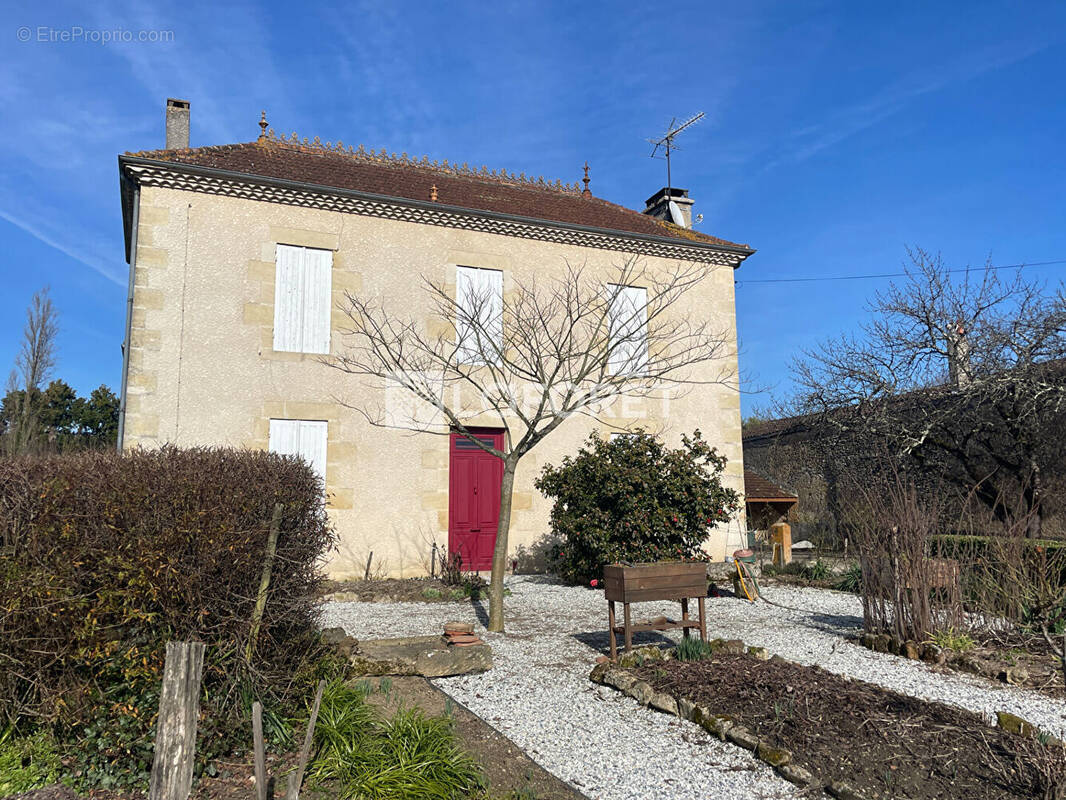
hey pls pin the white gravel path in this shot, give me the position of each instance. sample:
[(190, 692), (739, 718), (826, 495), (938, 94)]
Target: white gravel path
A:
[(538, 693)]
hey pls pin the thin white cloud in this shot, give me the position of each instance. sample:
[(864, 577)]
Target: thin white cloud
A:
[(892, 99), (200, 64), (36, 232)]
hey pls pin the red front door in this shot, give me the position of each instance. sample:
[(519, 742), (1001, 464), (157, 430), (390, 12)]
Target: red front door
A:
[(474, 498)]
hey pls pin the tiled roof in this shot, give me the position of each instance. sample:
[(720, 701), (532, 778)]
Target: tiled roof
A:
[(334, 166), (756, 487), (773, 427)]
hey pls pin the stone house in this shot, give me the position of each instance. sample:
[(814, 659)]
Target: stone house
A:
[(239, 255)]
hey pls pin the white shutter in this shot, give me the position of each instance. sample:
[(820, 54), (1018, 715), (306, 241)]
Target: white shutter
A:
[(627, 324), (482, 289), (302, 299), (301, 437), (287, 298), (465, 291), (318, 300), (313, 445), (492, 310), (284, 436)]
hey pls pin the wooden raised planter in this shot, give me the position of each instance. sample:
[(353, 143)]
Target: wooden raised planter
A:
[(664, 580)]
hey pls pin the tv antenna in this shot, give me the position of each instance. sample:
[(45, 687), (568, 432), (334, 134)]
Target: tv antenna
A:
[(666, 141)]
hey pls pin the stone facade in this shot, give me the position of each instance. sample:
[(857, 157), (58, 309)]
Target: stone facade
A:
[(202, 369)]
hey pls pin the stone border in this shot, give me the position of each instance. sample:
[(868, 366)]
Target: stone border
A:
[(726, 728), (933, 654)]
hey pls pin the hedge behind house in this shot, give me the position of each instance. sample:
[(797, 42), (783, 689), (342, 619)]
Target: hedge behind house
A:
[(106, 556)]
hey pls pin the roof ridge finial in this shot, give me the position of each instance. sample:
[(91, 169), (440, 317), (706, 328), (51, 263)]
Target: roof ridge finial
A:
[(433, 193), (585, 192), (263, 125)]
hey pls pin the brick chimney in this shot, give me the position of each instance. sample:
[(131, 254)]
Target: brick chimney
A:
[(658, 205), (177, 124)]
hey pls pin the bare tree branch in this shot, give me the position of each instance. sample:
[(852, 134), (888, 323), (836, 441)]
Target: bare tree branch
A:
[(550, 349)]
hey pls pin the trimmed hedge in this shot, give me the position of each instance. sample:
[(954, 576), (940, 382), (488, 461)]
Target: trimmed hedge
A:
[(1007, 577), (941, 542), (106, 556)]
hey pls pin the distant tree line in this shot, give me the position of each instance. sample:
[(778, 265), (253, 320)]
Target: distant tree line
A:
[(61, 420), (40, 418)]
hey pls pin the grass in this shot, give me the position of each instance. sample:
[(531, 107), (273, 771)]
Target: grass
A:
[(367, 756), (952, 639), (692, 649)]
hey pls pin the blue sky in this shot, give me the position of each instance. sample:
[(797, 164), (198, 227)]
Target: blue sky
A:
[(836, 134)]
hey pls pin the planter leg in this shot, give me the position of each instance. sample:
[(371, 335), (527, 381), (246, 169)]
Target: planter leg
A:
[(611, 624), (684, 616), (629, 627), (703, 619)]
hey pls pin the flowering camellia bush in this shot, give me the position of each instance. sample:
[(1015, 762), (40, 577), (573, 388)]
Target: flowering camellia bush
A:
[(634, 499)]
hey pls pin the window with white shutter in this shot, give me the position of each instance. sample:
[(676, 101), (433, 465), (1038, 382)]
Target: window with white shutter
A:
[(479, 293), (301, 437), (628, 330), (303, 285)]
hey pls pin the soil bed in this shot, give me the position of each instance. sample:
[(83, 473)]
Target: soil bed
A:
[(882, 743)]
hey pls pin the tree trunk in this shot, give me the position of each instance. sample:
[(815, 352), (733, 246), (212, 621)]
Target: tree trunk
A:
[(499, 553), (1034, 496)]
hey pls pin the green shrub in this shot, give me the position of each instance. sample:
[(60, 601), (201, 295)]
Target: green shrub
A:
[(952, 639), (692, 649), (108, 556), (850, 580), (27, 762), (634, 499), (797, 568), (817, 571), (404, 757)]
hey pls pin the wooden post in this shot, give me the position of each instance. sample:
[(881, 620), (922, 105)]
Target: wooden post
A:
[(179, 707), (369, 558), (611, 624), (628, 626), (684, 616), (703, 619), (264, 788), (297, 779), (264, 581)]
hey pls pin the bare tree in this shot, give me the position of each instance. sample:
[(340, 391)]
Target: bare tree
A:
[(531, 358), (961, 373), (33, 366)]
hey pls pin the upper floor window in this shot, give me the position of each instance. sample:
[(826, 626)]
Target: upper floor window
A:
[(302, 299), (627, 325), (479, 314)]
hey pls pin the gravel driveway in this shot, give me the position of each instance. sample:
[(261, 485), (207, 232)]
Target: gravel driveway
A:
[(538, 693)]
